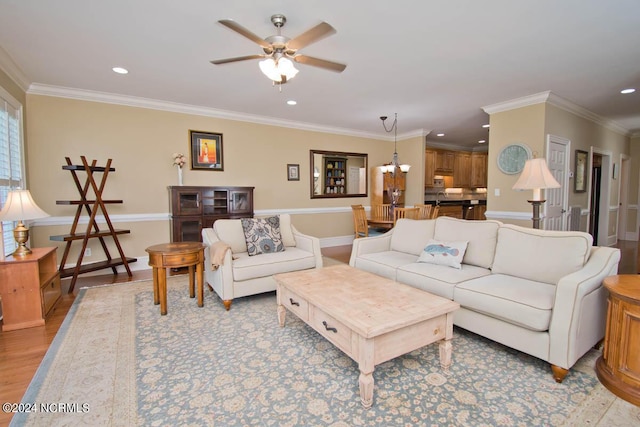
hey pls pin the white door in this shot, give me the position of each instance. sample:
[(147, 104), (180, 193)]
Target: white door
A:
[(556, 207)]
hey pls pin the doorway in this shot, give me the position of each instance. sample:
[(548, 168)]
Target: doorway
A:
[(596, 193)]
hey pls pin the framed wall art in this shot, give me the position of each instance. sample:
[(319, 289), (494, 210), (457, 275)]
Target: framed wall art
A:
[(293, 172), (580, 174), (206, 150)]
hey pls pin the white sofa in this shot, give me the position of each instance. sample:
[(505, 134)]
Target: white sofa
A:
[(537, 291), (241, 275)]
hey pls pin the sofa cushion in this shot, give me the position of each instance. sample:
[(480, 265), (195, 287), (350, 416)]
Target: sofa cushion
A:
[(247, 267), (438, 279), (540, 255), (481, 235), (410, 235), (443, 253), (262, 235), (384, 263), (230, 232), (515, 300)]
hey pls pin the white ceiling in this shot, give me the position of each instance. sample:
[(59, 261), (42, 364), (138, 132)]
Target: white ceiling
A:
[(435, 63)]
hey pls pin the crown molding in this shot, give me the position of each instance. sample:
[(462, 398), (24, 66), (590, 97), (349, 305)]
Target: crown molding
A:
[(559, 102), (154, 104), (9, 66), (512, 104), (456, 147)]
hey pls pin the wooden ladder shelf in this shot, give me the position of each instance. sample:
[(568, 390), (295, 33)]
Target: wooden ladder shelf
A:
[(92, 206)]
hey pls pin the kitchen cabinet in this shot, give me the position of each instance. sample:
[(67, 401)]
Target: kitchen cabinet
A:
[(454, 211), (462, 169), (478, 170), (445, 161), (429, 167)]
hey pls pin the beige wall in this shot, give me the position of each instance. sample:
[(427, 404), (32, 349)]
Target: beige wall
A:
[(522, 125), (140, 142), (531, 125)]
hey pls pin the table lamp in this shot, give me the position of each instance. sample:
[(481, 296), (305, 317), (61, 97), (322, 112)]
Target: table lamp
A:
[(536, 176), (21, 207)]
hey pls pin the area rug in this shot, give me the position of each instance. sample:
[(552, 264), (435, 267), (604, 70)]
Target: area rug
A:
[(117, 361)]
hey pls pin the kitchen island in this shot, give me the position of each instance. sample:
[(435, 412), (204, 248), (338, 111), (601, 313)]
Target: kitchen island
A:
[(460, 208)]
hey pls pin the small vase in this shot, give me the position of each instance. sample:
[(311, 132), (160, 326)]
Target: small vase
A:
[(179, 175)]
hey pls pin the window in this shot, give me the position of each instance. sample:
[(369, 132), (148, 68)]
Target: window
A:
[(11, 160)]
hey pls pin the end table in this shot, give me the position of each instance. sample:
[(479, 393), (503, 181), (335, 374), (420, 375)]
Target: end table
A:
[(619, 366), (176, 255)]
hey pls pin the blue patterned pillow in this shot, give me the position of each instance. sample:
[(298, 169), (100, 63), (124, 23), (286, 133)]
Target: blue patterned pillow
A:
[(444, 253), (262, 235)]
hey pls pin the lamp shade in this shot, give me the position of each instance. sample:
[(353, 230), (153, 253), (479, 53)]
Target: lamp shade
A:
[(535, 176), (20, 206)]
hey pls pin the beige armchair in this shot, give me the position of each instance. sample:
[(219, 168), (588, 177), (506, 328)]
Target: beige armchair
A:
[(239, 274)]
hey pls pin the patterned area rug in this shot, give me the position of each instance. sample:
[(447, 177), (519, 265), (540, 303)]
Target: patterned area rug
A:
[(116, 361)]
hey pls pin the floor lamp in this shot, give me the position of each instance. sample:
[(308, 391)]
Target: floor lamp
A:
[(536, 176)]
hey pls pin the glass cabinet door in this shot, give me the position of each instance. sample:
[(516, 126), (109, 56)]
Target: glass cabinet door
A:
[(189, 202)]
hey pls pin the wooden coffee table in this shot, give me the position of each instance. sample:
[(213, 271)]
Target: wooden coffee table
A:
[(368, 317)]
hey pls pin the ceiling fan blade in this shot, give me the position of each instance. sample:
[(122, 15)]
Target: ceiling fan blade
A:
[(322, 63), (233, 25), (316, 33), (236, 59)]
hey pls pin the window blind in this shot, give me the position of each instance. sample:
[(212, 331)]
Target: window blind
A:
[(11, 159)]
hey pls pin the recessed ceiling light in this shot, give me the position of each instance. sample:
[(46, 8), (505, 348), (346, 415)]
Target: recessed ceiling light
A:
[(485, 126), (120, 70), (630, 90), (291, 102), (482, 141), (440, 134)]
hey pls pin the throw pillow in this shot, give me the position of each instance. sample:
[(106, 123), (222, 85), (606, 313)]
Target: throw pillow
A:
[(262, 235), (444, 253)]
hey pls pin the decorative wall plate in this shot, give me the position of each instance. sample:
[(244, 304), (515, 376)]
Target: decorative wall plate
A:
[(512, 158)]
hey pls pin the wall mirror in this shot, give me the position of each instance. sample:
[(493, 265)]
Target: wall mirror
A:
[(338, 174)]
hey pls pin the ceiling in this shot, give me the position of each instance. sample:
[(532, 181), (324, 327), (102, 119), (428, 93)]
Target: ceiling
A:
[(435, 63)]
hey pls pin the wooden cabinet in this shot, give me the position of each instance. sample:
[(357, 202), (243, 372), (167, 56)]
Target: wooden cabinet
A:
[(478, 170), (194, 208), (29, 287), (452, 211), (619, 366), (335, 175), (445, 161), (462, 169), (469, 169), (429, 167), (380, 182)]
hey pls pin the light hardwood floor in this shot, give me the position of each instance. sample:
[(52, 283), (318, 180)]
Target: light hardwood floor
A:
[(21, 351)]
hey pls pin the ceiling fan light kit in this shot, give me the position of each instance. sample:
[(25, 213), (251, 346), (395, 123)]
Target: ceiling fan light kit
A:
[(280, 51)]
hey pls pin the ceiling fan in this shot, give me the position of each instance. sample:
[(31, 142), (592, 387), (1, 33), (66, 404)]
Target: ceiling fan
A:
[(279, 50)]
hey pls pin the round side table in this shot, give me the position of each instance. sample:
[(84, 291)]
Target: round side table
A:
[(619, 366), (176, 255)]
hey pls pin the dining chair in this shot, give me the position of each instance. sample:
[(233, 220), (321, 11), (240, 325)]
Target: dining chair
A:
[(360, 224), (434, 212), (424, 211), (381, 212), (410, 213)]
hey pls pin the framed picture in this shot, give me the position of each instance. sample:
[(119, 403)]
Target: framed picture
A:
[(293, 172), (206, 150), (580, 175)]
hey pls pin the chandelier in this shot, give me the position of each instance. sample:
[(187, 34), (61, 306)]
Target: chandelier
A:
[(395, 164), (395, 167)]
